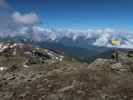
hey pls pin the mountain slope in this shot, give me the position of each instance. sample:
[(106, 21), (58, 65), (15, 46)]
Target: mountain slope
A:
[(36, 75)]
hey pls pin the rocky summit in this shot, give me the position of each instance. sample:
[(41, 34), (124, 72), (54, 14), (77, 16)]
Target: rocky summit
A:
[(32, 73)]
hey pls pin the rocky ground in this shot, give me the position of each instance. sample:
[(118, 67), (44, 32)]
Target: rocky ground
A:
[(41, 74)]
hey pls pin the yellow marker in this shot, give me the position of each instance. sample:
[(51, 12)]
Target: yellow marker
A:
[(116, 42)]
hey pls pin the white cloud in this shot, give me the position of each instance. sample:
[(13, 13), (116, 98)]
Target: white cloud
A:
[(102, 41), (105, 38), (102, 37), (27, 25), (25, 19)]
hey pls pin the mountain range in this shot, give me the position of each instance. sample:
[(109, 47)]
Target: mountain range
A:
[(79, 49)]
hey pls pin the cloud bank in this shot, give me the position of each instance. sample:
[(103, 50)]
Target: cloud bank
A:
[(25, 19), (27, 25)]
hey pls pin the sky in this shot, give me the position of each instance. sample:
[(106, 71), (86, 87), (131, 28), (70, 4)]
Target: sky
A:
[(78, 14), (42, 20)]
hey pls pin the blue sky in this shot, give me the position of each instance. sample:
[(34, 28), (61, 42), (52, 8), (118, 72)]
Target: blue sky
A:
[(79, 14), (55, 19)]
